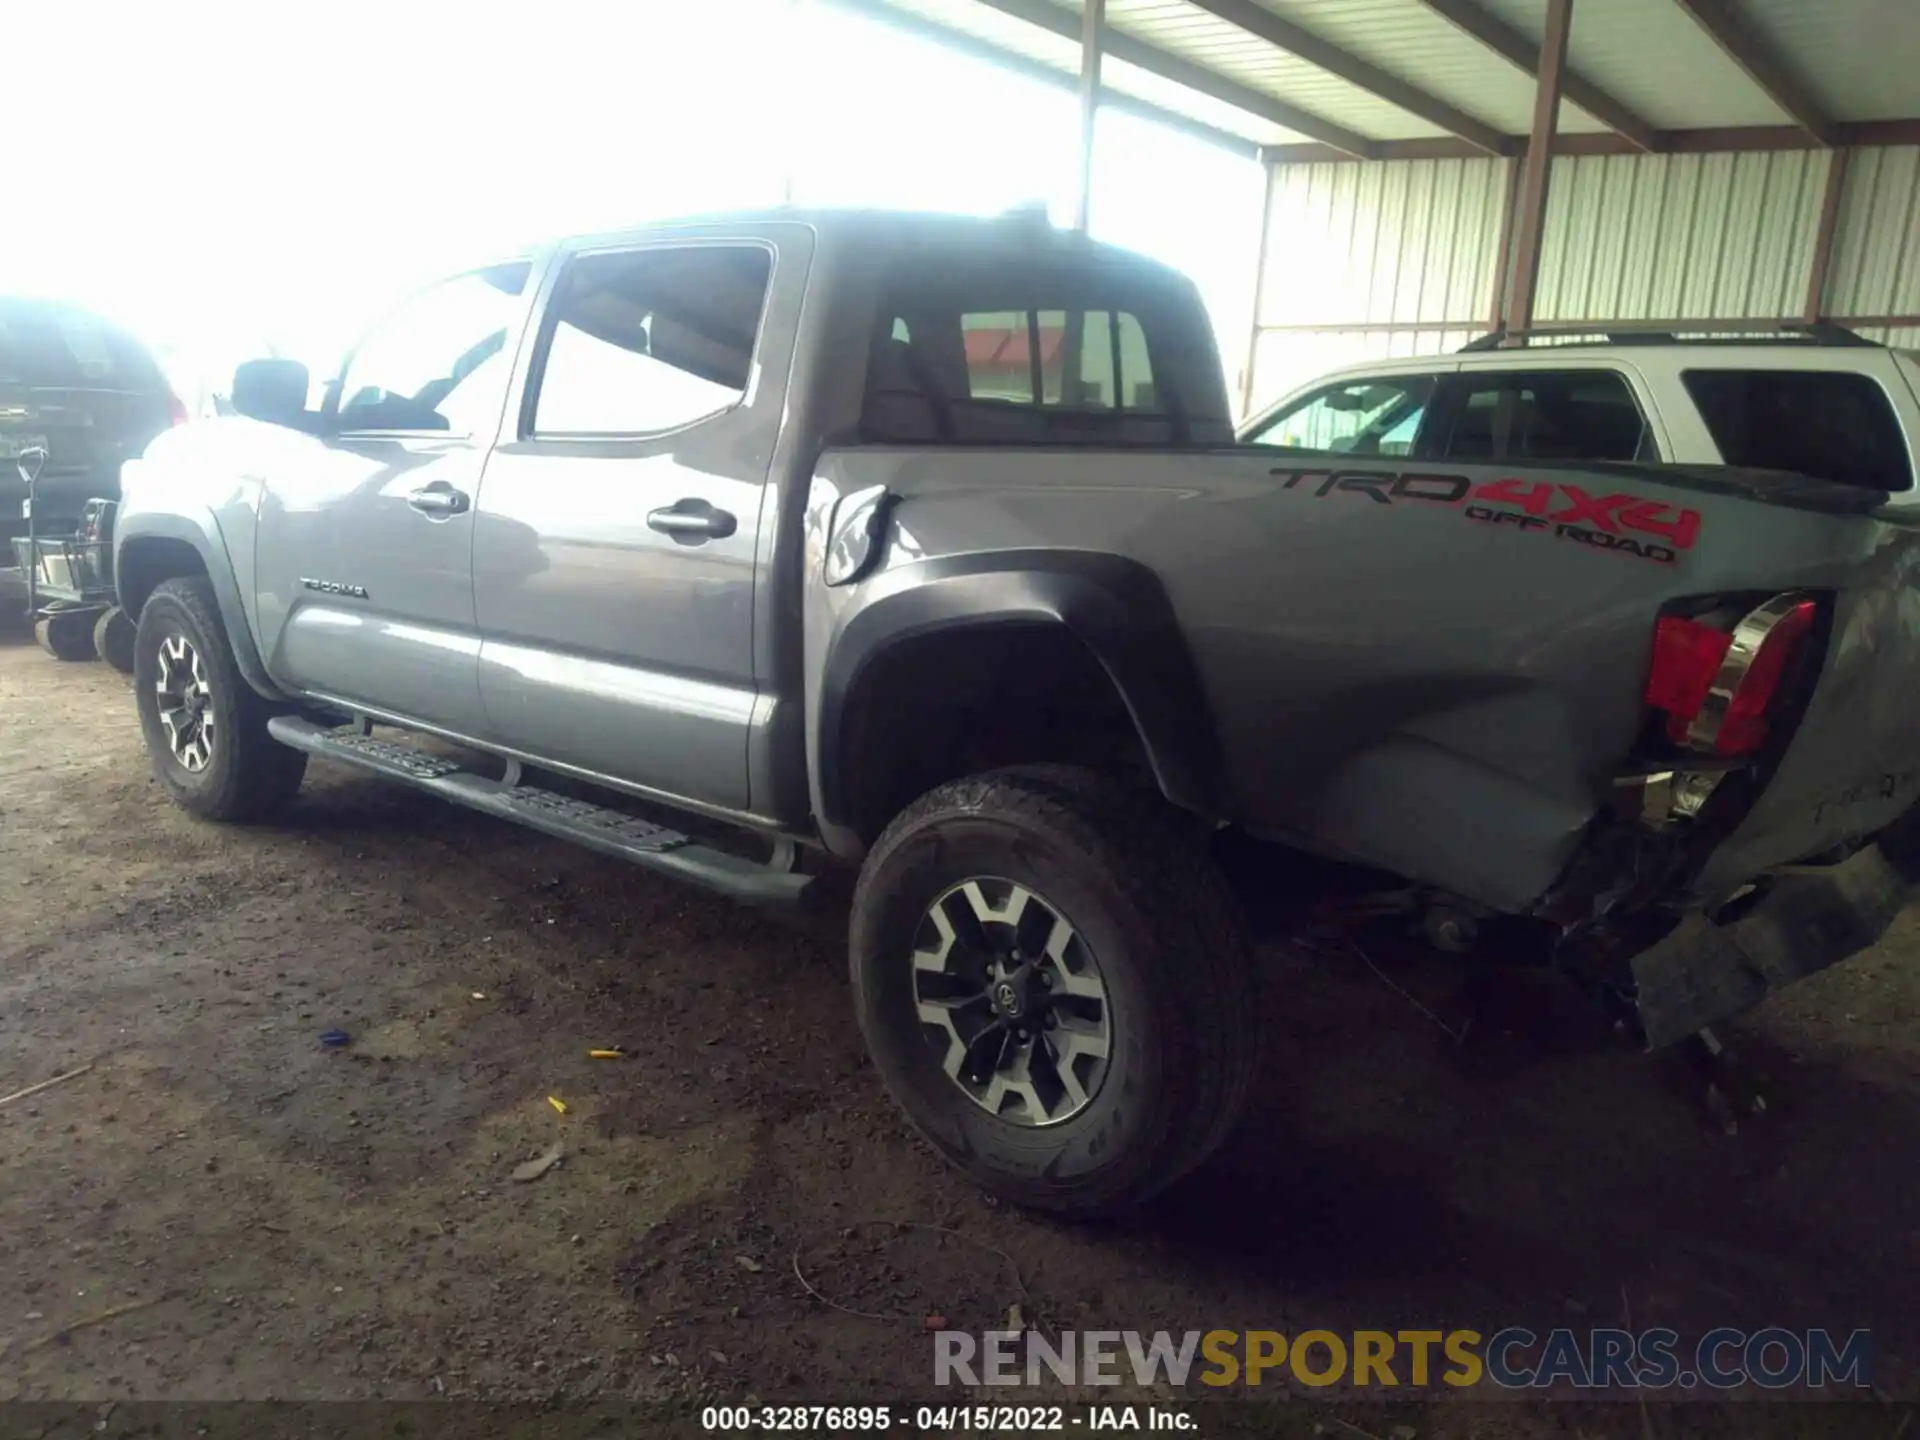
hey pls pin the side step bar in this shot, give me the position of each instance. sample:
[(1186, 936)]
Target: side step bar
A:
[(609, 831)]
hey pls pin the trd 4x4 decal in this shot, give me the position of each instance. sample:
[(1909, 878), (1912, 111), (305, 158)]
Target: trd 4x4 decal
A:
[(1568, 512)]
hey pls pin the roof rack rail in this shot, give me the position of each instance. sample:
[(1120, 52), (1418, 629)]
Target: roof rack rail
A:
[(1815, 332)]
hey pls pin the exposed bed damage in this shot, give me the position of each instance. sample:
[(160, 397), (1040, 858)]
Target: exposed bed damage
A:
[(1742, 839), (1774, 870), (1811, 917)]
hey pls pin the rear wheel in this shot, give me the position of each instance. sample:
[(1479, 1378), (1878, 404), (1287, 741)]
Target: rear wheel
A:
[(205, 727), (66, 634), (113, 636), (1055, 986)]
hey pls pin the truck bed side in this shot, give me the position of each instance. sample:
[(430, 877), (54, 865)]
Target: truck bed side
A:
[(1440, 669)]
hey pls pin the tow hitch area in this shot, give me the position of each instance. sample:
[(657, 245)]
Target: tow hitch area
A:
[(1813, 916)]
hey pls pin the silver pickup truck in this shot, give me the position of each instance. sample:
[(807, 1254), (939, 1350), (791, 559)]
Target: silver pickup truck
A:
[(924, 544)]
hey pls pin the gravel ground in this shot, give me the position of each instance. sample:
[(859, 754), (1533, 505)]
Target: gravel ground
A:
[(303, 1223)]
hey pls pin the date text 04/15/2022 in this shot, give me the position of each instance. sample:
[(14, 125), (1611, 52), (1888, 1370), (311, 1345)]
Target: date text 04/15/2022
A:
[(945, 1419)]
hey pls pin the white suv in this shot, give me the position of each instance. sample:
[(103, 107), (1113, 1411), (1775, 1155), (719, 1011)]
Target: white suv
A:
[(1820, 401)]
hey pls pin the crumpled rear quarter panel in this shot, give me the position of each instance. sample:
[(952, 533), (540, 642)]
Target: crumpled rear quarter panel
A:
[(1403, 680)]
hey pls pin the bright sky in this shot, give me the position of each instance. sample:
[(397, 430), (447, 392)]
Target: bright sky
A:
[(230, 176)]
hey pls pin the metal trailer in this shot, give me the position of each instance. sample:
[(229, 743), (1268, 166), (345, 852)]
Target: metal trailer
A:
[(69, 578)]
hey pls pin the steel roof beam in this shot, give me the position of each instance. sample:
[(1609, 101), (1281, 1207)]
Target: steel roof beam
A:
[(1025, 65), (1510, 45), (1721, 140), (1324, 55), (1747, 51), (1118, 46)]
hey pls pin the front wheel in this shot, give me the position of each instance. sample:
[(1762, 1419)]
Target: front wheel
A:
[(1055, 985), (205, 727)]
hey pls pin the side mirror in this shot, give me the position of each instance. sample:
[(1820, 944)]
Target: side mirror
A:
[(271, 390)]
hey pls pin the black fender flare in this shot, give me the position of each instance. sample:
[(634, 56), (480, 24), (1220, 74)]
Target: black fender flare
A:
[(1116, 607), (226, 591)]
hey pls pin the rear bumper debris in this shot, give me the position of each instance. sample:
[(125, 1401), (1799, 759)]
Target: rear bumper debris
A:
[(1812, 917)]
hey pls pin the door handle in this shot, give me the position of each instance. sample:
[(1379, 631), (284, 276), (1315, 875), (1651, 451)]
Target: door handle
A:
[(691, 521), (439, 500)]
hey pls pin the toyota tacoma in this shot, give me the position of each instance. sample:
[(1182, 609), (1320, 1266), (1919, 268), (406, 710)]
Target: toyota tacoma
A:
[(740, 546)]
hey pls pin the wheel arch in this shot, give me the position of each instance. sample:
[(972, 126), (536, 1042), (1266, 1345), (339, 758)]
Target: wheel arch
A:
[(1112, 612), (169, 547)]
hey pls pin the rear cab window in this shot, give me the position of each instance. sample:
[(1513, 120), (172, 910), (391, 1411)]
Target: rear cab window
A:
[(1836, 425), (1020, 346), (1094, 360)]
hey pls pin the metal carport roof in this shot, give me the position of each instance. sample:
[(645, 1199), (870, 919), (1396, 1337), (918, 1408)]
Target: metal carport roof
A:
[(1389, 79), (1295, 81)]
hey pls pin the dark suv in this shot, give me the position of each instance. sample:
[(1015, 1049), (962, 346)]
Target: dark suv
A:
[(86, 392)]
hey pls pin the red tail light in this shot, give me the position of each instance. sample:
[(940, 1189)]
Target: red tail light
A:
[(176, 410), (1715, 686)]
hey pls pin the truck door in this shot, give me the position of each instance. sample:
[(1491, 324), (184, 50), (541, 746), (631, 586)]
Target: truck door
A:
[(365, 550), (616, 535)]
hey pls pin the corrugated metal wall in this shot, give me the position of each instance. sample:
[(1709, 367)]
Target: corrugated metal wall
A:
[(1668, 237), (1403, 243), (1876, 248), (1395, 242), (1368, 261)]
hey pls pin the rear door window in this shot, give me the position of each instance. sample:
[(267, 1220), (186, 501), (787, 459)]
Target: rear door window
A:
[(1496, 416), (1371, 417), (1826, 423)]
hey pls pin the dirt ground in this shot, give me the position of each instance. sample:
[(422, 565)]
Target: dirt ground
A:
[(304, 1223)]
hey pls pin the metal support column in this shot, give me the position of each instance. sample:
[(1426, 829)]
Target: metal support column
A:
[(1539, 165), (1092, 23), (1824, 236), (1503, 257), (1259, 287)]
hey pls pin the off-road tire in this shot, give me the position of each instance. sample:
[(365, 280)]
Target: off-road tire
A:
[(113, 635), (1135, 880), (65, 635), (248, 774)]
